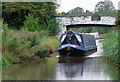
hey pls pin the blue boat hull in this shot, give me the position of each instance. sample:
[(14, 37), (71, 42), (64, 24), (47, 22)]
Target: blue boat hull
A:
[(75, 51)]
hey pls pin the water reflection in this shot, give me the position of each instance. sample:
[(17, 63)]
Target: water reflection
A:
[(43, 70), (72, 66), (62, 68)]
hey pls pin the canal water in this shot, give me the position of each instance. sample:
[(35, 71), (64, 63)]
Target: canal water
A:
[(91, 67)]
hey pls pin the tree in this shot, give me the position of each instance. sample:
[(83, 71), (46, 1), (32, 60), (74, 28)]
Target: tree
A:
[(105, 7), (76, 11), (14, 12), (88, 12)]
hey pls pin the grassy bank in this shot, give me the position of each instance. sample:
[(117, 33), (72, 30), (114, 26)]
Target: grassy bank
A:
[(111, 47), (19, 45)]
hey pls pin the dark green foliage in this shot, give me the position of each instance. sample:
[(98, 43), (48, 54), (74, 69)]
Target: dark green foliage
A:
[(52, 26), (80, 30), (101, 30), (88, 12), (14, 12), (117, 22), (42, 53), (76, 12)]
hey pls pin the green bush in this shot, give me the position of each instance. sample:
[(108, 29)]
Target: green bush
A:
[(31, 23), (18, 44), (33, 39), (52, 25), (111, 45), (14, 12), (24, 44)]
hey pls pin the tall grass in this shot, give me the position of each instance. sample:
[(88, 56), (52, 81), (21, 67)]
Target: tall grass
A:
[(24, 44), (111, 46), (50, 43)]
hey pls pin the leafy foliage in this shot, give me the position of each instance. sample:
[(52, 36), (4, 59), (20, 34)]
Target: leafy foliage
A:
[(76, 11), (92, 29), (24, 44), (31, 23), (52, 26), (105, 7), (117, 22), (33, 15), (14, 12), (111, 46)]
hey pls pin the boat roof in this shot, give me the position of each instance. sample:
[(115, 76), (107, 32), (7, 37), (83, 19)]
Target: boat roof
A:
[(75, 33)]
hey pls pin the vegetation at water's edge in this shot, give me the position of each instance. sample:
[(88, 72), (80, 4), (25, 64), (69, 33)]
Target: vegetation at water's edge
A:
[(111, 46), (28, 30), (24, 44)]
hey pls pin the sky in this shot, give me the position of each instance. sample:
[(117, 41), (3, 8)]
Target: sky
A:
[(66, 5)]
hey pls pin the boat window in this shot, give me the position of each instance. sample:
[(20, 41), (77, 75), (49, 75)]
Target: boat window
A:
[(78, 37), (66, 40), (74, 40), (63, 38)]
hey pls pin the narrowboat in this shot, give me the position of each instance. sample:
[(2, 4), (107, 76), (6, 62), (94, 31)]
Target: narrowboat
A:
[(73, 43)]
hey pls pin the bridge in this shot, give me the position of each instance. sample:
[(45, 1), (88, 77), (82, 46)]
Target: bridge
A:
[(67, 22)]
